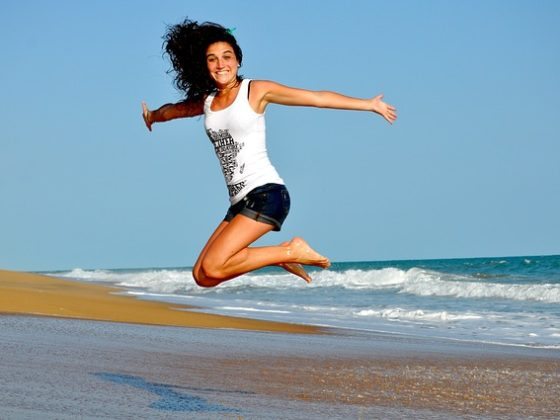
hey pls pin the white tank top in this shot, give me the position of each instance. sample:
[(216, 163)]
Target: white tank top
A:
[(238, 135)]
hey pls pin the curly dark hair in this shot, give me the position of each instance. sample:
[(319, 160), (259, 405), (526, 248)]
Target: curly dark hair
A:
[(186, 44)]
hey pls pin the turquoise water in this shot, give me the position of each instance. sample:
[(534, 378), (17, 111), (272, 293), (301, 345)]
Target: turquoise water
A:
[(506, 300)]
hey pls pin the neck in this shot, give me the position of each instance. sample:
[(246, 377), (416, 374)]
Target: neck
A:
[(231, 85)]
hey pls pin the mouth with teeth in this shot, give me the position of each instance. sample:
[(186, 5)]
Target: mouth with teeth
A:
[(223, 77)]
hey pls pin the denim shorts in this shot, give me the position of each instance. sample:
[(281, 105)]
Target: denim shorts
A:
[(269, 203)]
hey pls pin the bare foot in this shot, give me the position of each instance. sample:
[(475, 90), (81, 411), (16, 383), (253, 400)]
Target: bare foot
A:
[(304, 254), (294, 268)]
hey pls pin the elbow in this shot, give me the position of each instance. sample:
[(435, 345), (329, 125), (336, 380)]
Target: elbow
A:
[(321, 99)]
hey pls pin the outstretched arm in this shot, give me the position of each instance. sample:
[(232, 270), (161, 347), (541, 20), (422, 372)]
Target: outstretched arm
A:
[(270, 92), (171, 111)]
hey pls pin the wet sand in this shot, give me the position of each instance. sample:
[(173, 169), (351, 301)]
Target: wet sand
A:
[(57, 368)]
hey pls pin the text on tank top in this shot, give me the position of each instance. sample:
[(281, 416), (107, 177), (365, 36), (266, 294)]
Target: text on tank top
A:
[(238, 135)]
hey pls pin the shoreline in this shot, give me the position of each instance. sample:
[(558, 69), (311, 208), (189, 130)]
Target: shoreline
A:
[(72, 349), (40, 295), (511, 302)]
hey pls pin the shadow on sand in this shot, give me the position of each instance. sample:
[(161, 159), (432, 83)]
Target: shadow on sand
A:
[(170, 399)]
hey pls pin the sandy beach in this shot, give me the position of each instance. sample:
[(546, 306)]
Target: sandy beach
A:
[(31, 294), (73, 350)]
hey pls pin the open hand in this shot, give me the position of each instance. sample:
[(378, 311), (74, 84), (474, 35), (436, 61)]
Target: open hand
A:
[(389, 112), (146, 116)]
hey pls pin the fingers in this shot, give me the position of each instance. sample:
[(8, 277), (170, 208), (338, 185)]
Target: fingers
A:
[(390, 113), (391, 116), (146, 115), (145, 110), (390, 119)]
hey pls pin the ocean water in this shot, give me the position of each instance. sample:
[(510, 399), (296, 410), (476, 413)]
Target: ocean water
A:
[(509, 300)]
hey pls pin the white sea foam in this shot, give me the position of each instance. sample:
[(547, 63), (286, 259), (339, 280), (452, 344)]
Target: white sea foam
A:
[(422, 282), (93, 275), (361, 279), (157, 281), (428, 283), (411, 301), (250, 309), (415, 281), (416, 315)]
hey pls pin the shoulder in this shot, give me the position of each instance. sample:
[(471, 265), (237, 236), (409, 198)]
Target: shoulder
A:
[(260, 92), (263, 85)]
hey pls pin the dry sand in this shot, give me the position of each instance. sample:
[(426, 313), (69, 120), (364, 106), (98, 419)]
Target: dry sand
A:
[(31, 294)]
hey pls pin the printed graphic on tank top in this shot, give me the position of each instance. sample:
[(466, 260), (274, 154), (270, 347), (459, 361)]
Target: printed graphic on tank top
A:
[(237, 133), (227, 149)]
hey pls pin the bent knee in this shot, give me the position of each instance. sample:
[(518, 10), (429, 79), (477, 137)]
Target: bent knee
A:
[(212, 269), (202, 279)]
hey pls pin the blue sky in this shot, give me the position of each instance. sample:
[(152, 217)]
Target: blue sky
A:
[(471, 168)]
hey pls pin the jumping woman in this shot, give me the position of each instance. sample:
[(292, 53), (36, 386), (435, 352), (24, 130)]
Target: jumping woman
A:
[(206, 58)]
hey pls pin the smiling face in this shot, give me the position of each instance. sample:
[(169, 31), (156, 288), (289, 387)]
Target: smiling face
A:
[(222, 64)]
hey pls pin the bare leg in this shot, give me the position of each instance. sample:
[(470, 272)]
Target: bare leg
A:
[(227, 253), (198, 275), (294, 268)]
